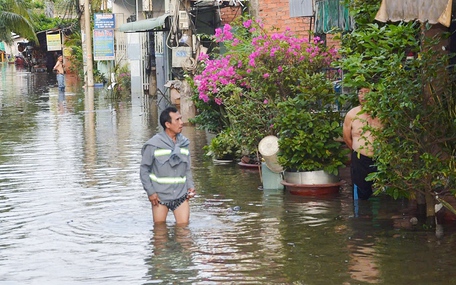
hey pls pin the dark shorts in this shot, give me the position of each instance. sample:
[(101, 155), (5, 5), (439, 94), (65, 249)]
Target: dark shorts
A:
[(361, 166), (174, 204)]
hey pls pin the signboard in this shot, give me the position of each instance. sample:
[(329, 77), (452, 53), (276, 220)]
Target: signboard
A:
[(104, 21), (53, 42), (103, 44)]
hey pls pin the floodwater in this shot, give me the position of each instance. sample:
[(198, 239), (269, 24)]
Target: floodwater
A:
[(72, 209)]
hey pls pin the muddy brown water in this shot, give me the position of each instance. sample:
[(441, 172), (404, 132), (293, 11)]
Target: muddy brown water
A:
[(72, 210)]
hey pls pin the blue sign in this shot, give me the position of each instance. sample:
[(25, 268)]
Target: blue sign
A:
[(103, 44), (104, 21)]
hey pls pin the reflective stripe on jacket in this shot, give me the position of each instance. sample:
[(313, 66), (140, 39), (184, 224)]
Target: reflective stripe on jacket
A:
[(168, 180), (162, 152)]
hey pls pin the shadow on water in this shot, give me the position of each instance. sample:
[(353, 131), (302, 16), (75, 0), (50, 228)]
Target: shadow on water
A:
[(72, 209)]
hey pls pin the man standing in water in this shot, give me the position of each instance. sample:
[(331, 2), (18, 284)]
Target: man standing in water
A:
[(59, 69), (359, 139), (165, 170)]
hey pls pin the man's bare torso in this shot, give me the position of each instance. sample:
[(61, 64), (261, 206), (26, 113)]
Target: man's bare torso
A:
[(361, 138)]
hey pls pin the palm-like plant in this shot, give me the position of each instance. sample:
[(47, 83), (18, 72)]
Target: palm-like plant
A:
[(69, 8), (15, 16)]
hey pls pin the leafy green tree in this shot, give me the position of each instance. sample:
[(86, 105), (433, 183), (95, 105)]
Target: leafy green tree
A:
[(414, 97), (43, 23), (72, 7), (16, 17)]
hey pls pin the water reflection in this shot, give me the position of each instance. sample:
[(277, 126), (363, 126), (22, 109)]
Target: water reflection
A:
[(271, 245), (364, 259), (61, 101), (72, 209), (171, 255)]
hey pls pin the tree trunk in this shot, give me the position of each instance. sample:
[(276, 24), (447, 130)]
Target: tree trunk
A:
[(430, 208), (438, 84)]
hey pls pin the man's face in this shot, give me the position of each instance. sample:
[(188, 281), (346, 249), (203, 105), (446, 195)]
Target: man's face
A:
[(176, 124), (361, 93)]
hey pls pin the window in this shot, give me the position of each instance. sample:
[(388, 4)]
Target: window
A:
[(301, 8)]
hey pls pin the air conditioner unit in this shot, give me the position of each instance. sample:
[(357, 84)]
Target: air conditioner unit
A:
[(180, 55)]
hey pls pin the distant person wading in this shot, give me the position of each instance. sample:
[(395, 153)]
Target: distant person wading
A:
[(59, 69)]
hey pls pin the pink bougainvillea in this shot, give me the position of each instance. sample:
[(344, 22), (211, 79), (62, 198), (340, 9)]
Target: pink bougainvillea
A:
[(269, 62), (257, 71)]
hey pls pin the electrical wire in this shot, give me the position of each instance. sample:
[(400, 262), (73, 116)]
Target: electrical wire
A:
[(172, 36), (189, 64)]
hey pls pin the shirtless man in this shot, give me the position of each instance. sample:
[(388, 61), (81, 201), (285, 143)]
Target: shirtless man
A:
[(360, 141), (58, 68)]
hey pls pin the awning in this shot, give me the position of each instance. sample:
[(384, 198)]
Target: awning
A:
[(144, 25), (432, 11)]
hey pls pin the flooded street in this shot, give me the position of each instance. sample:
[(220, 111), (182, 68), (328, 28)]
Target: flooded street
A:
[(73, 211)]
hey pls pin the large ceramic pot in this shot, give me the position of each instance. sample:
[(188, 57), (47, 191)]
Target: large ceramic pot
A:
[(311, 183)]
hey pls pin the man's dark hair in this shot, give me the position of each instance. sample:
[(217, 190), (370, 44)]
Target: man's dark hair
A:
[(165, 117)]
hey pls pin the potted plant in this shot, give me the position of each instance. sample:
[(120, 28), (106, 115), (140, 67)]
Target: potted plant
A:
[(99, 78), (273, 83), (259, 70), (308, 125), (224, 147)]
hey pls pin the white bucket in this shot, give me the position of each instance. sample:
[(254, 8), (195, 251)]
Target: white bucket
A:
[(269, 147)]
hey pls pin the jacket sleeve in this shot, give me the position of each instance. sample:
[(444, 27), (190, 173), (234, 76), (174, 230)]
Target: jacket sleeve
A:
[(145, 168), (189, 175)]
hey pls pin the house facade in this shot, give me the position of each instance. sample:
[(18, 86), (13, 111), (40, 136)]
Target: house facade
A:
[(160, 39)]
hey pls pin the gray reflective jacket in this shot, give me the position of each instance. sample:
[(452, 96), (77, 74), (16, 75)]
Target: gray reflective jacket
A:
[(165, 167)]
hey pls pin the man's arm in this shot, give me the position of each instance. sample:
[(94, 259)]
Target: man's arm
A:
[(347, 131), (190, 184), (56, 65), (147, 160)]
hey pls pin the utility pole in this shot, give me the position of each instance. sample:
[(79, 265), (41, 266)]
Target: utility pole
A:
[(88, 44)]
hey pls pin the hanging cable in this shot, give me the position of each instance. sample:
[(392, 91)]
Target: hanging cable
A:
[(172, 36)]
